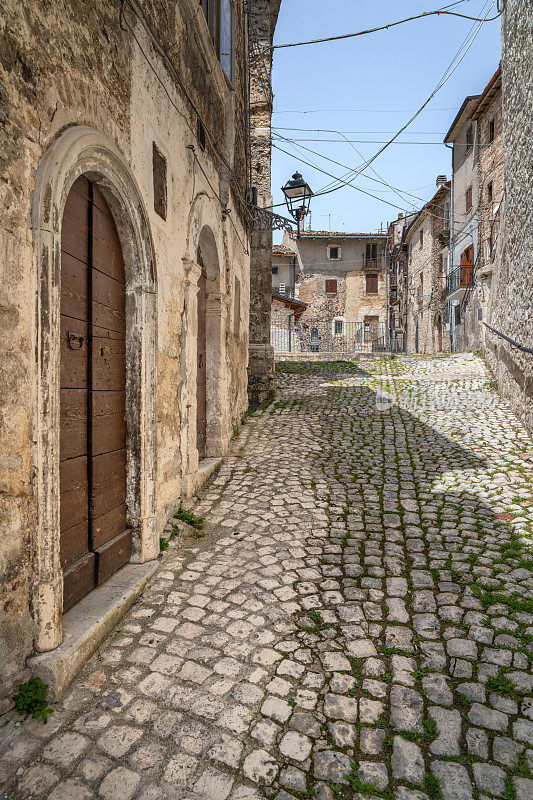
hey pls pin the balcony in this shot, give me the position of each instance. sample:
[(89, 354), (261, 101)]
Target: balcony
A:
[(458, 281), (378, 263)]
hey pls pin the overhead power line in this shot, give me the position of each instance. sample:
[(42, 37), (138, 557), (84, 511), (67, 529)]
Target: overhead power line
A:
[(437, 12), (447, 75)]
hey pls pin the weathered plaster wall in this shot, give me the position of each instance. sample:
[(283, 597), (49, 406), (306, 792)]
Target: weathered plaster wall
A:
[(80, 66), (512, 303), (359, 304)]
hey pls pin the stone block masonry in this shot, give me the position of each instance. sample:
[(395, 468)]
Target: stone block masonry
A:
[(512, 293)]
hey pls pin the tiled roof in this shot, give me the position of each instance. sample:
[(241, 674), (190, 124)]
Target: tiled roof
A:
[(340, 234), (281, 250)]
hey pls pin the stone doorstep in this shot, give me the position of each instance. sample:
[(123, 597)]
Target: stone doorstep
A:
[(87, 624), (195, 480)]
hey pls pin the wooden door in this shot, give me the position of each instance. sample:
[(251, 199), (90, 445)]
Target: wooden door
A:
[(371, 325), (439, 332), (201, 373), (94, 539)]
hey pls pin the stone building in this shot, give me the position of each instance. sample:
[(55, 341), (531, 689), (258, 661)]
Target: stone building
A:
[(341, 277), (283, 270), (463, 139), (124, 297), (398, 281), (488, 115), (261, 24), (427, 243), (510, 308)]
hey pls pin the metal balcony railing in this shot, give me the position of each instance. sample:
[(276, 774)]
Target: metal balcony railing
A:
[(378, 263), (460, 278)]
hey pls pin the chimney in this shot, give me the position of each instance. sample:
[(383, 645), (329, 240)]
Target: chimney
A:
[(441, 180)]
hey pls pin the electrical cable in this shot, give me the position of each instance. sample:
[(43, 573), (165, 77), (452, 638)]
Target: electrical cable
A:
[(378, 28), (449, 72)]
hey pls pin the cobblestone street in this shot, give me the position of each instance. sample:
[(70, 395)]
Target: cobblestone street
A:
[(356, 620)]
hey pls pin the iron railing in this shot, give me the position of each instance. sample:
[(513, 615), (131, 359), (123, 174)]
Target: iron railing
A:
[(460, 278), (328, 336)]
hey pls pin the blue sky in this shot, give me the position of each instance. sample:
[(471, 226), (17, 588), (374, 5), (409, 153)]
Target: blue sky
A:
[(367, 87)]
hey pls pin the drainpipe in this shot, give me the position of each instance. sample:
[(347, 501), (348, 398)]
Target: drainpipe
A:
[(452, 236)]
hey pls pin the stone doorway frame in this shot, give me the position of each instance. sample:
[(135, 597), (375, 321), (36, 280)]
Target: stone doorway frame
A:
[(202, 239), (83, 150)]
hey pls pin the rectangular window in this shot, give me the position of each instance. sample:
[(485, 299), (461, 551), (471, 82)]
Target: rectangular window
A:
[(469, 138), (274, 270), (371, 283), (220, 18), (226, 53), (237, 308), (200, 133), (371, 255), (489, 192), (334, 252), (331, 287), (338, 327), (468, 199), (159, 173), (421, 237), (491, 130), (457, 315)]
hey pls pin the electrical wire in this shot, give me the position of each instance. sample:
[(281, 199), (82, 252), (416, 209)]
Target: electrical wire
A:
[(447, 75), (438, 12)]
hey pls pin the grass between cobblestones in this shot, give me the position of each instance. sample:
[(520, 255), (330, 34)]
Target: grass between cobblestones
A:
[(356, 622)]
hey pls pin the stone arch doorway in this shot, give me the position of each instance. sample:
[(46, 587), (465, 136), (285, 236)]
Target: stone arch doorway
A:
[(201, 364), (95, 539), (82, 151)]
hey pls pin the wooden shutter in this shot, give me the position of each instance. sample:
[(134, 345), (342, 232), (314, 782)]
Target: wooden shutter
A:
[(331, 286), (371, 283)]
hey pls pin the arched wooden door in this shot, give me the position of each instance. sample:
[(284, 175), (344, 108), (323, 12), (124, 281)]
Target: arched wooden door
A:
[(201, 372), (95, 541)]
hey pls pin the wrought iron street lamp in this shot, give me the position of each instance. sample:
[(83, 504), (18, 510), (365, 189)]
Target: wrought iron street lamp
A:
[(298, 196)]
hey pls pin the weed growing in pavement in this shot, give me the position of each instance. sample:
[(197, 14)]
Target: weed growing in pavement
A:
[(31, 699), (503, 685), (190, 518)]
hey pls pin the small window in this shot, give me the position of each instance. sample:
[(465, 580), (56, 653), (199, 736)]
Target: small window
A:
[(489, 192), (274, 270), (457, 315), (491, 130), (334, 253), (371, 283), (468, 199), (331, 287), (200, 133), (237, 308), (159, 169), (421, 237), (469, 138), (338, 327)]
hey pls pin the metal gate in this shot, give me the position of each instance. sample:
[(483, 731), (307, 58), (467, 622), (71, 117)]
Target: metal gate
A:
[(328, 336)]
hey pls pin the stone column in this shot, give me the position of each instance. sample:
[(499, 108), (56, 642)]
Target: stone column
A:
[(262, 21)]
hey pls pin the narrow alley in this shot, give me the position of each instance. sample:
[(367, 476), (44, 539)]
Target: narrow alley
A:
[(353, 619)]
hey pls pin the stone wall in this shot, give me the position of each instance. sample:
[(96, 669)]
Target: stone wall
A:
[(79, 95), (262, 22), (511, 301)]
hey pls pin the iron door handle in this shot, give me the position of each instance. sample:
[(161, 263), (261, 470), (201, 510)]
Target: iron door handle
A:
[(74, 341)]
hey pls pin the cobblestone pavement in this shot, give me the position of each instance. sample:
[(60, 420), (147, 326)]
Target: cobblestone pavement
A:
[(356, 622)]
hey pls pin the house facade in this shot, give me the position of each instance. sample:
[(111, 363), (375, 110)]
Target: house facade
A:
[(283, 270), (124, 295), (427, 245), (341, 277), (462, 137), (398, 256)]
